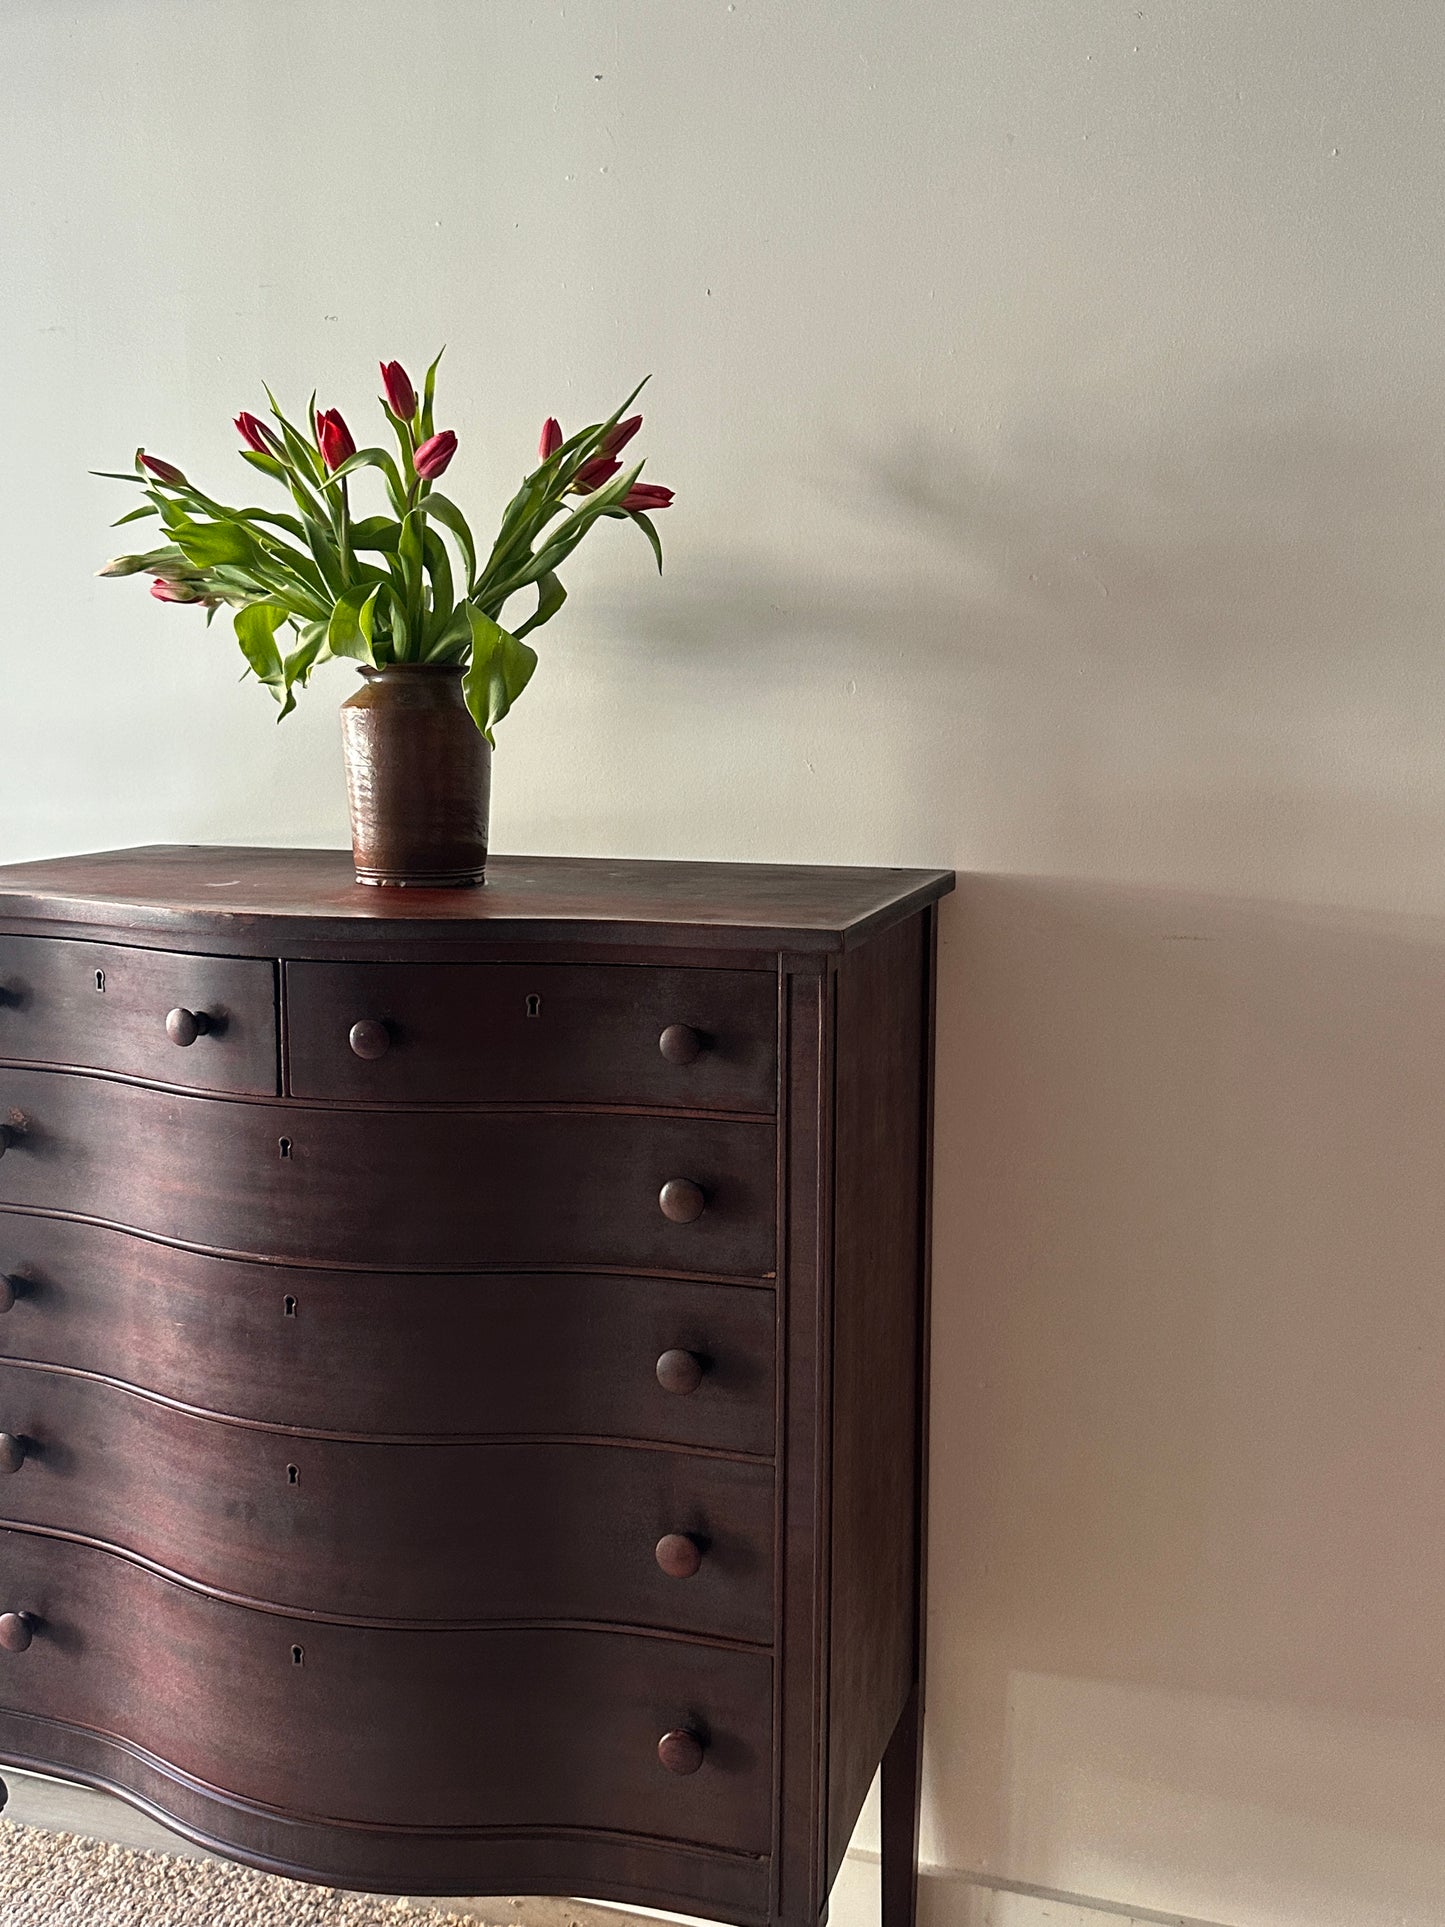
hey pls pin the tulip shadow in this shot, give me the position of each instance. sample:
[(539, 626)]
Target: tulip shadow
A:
[(1178, 687), (1232, 617)]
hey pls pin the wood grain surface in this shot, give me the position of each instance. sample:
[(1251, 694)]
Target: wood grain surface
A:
[(405, 1190), (224, 893), (104, 1006), (391, 1354), (408, 1729), (532, 1033), (543, 1531)]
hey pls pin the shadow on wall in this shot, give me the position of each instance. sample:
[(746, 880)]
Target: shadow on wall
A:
[(1189, 1351), (1195, 642), (1188, 1550)]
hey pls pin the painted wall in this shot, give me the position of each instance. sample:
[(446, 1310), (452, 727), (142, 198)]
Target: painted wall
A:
[(1054, 396)]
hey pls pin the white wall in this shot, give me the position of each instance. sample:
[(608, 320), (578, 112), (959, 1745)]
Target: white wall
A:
[(1055, 399)]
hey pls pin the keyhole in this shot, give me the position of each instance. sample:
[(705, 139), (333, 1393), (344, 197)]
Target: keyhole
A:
[(298, 1655), (290, 1305), (100, 980), (534, 1006), (293, 1475), (284, 1145)]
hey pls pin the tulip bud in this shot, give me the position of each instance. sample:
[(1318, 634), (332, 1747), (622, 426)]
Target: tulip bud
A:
[(124, 565), (163, 471), (175, 568), (334, 439), (167, 591), (593, 474), (551, 437), (434, 456), (616, 439), (400, 395), (255, 434), (645, 496)]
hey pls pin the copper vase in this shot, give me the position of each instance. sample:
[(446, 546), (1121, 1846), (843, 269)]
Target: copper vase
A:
[(418, 778)]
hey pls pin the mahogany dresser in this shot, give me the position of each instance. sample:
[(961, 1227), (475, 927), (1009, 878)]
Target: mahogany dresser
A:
[(463, 1362)]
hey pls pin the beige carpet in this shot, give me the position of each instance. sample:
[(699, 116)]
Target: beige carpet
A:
[(57, 1880)]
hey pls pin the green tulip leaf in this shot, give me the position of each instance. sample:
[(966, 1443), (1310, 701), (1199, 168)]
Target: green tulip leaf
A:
[(500, 669), (550, 597), (370, 458), (268, 464), (439, 567), (381, 532), (445, 511), (349, 631), (256, 627), (209, 543), (304, 458), (428, 392), (296, 668), (451, 639), (645, 523)]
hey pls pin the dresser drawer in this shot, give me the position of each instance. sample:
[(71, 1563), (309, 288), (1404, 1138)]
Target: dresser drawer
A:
[(391, 1190), (393, 1354), (438, 1729), (535, 1034), (100, 1006), (543, 1530)]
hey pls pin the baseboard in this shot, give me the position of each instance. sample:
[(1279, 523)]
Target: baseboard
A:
[(951, 1899)]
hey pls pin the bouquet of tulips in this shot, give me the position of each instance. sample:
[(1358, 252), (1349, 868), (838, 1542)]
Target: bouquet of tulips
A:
[(385, 588)]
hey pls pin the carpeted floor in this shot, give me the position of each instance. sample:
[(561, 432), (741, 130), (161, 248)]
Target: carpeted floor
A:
[(57, 1880)]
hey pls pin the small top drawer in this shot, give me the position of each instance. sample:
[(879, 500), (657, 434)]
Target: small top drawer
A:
[(525, 1033), (207, 1023)]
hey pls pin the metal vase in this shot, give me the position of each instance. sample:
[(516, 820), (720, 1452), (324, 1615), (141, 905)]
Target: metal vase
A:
[(418, 778)]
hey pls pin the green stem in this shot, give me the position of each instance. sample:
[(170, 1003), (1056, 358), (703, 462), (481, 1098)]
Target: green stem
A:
[(348, 557)]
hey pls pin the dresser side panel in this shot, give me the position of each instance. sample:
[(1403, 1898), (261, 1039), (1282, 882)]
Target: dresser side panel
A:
[(806, 1172), (877, 1278)]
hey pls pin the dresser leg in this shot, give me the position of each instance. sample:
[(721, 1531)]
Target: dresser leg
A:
[(902, 1787)]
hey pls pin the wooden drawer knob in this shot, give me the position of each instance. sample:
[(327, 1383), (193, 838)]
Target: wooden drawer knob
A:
[(12, 1452), (184, 1026), (679, 1372), (682, 1201), (680, 1044), (678, 1555), (8, 1137), (8, 1293), (370, 1039), (16, 1631), (680, 1751)]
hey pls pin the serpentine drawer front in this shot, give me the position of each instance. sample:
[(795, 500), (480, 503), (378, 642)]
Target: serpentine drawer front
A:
[(415, 1188), (463, 1366), (381, 1354)]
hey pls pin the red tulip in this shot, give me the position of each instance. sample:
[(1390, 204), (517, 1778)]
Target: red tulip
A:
[(616, 439), (163, 471), (645, 496), (334, 438), (400, 395), (593, 474), (551, 437), (255, 434), (165, 591), (433, 457)]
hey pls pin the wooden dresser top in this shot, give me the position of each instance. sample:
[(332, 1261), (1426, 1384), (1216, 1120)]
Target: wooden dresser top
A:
[(222, 891)]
